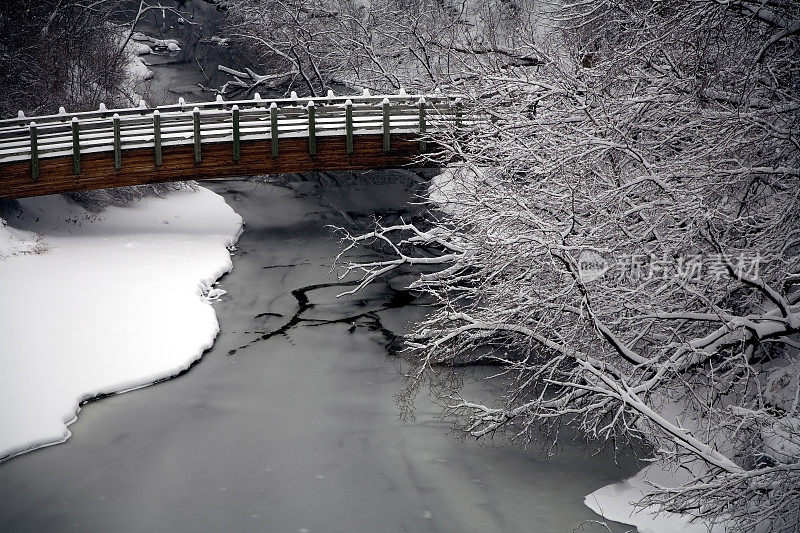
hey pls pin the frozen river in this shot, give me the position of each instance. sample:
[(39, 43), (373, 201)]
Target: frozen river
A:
[(289, 423)]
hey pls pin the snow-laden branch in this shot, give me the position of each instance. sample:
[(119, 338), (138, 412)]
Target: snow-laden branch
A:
[(621, 237)]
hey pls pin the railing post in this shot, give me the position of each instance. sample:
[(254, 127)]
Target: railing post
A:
[(458, 113), (273, 125), (386, 128), (198, 154), (237, 146), (348, 125), (423, 145), (117, 143), (312, 128), (34, 153), (157, 136), (76, 146)]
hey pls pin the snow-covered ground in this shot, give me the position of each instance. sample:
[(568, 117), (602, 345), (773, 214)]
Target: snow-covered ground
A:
[(94, 304)]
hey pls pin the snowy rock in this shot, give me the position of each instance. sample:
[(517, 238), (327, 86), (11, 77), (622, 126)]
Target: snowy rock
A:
[(214, 294), (142, 49)]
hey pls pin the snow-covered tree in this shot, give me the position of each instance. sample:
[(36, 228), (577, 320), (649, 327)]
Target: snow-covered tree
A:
[(57, 53), (620, 229), (312, 46)]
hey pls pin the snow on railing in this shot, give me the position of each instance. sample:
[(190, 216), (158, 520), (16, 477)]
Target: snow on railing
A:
[(117, 130)]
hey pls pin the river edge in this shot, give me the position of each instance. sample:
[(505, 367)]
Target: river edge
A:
[(170, 82)]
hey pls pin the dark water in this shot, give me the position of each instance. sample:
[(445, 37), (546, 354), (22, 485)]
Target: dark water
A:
[(295, 431), (192, 72)]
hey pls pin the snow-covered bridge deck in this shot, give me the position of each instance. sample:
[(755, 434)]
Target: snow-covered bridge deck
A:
[(134, 146)]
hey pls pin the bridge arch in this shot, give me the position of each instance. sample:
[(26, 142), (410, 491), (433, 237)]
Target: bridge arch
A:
[(105, 148)]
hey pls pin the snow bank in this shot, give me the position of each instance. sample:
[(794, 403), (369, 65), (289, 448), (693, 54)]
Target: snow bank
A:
[(135, 67), (15, 242), (117, 301), (138, 71)]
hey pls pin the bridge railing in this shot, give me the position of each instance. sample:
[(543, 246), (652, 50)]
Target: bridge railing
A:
[(117, 130)]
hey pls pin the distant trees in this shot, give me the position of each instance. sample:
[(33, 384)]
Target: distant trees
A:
[(621, 232), (312, 46), (58, 52), (70, 53)]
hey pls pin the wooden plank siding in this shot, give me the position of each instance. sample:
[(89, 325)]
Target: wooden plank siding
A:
[(178, 163)]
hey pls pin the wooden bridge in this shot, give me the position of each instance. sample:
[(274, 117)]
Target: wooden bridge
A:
[(135, 146)]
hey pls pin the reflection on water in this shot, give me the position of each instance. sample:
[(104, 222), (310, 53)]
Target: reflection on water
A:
[(289, 423)]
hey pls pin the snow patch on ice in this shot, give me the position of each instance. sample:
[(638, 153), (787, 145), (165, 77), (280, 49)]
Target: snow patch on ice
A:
[(117, 302), (617, 502)]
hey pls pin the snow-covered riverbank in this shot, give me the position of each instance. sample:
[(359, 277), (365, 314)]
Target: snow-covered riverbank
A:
[(96, 304)]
